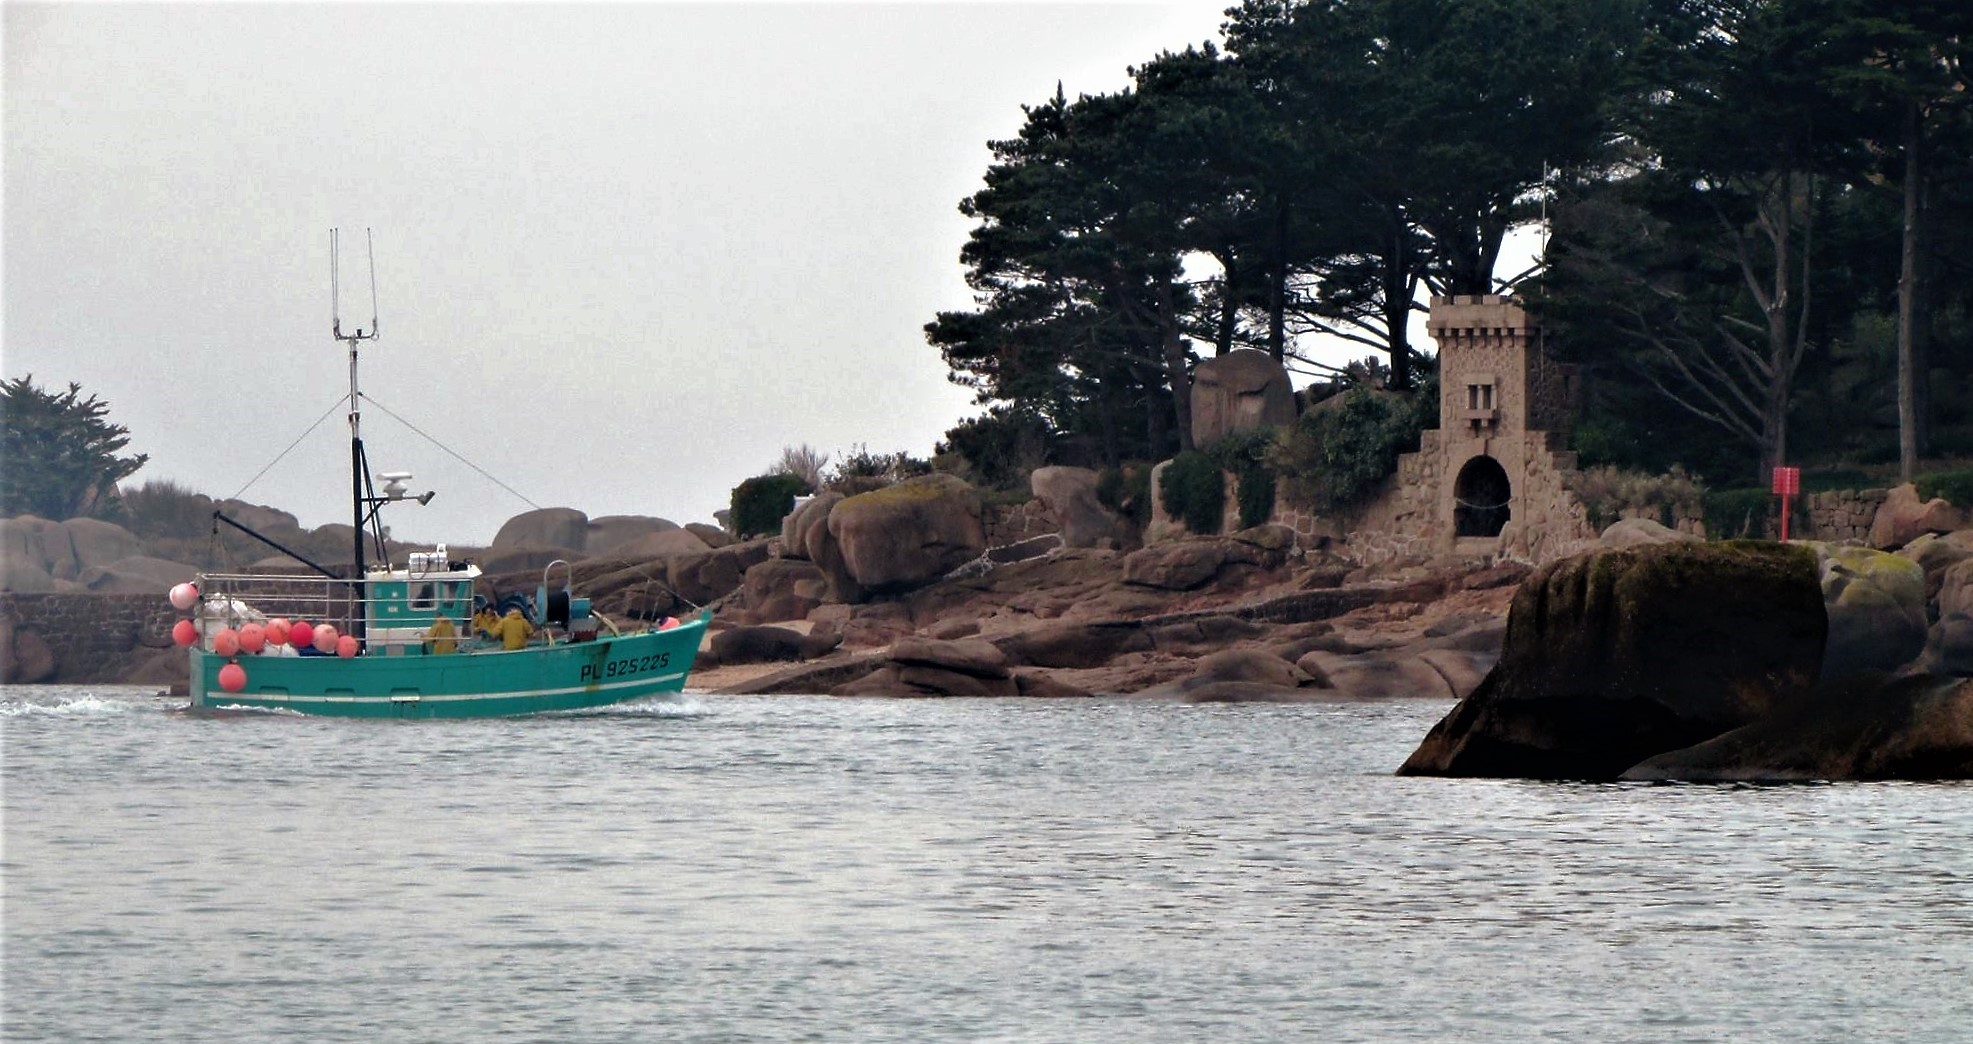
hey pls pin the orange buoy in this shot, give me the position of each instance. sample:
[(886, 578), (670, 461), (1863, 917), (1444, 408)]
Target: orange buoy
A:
[(226, 642), (253, 638), (346, 646), (301, 634), (232, 677), (277, 631), (325, 639), (184, 633)]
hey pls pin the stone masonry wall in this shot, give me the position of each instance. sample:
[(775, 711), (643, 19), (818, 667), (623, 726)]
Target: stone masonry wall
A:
[(1403, 520), (1844, 514), (90, 635), (1837, 516), (1549, 521)]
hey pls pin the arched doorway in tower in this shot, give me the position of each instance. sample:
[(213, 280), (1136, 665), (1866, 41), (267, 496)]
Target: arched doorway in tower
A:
[(1480, 497)]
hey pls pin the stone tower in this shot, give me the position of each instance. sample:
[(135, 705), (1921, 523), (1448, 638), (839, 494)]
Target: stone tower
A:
[(1504, 406)]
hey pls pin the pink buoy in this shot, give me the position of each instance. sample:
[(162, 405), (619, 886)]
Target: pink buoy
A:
[(232, 677), (277, 631), (670, 622), (301, 634), (183, 633), (226, 642), (346, 646), (325, 639), (183, 595), (253, 638)]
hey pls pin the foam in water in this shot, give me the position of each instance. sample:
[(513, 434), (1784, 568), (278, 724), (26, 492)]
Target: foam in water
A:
[(682, 705), (241, 708), (66, 705)]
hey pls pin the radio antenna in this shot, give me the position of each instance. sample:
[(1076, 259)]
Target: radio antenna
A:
[(362, 492), (335, 289)]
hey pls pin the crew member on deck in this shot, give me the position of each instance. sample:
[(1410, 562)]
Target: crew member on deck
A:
[(441, 638), (513, 630)]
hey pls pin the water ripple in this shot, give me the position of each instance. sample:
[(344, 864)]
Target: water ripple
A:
[(721, 869)]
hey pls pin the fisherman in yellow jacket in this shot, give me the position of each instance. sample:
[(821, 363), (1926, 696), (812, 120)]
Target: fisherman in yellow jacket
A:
[(513, 630), (441, 638)]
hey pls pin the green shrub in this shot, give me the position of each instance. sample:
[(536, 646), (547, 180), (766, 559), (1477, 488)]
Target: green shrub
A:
[(1835, 478), (1955, 486), (1336, 457), (759, 504), (1126, 490), (163, 508), (1194, 491), (862, 470), (1610, 493), (998, 449), (1248, 455), (1752, 513)]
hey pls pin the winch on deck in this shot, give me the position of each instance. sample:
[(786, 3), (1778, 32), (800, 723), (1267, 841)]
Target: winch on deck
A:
[(562, 609)]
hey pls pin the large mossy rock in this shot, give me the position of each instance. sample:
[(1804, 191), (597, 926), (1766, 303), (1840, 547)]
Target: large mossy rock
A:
[(1617, 655), (1876, 606), (905, 536), (1865, 727)]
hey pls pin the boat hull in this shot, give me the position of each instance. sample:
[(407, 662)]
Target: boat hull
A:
[(479, 684)]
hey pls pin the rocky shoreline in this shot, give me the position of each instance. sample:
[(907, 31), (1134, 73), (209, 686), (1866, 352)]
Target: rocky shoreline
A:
[(1071, 625), (1652, 655)]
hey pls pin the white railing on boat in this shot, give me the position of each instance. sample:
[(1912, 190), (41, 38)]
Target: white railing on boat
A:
[(233, 600)]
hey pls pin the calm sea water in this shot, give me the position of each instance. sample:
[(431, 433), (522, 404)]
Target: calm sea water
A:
[(793, 868)]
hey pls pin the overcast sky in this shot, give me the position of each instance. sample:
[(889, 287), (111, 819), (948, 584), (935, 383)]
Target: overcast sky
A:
[(625, 254)]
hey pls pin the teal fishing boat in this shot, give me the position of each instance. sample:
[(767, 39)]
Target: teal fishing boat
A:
[(403, 643), (380, 640)]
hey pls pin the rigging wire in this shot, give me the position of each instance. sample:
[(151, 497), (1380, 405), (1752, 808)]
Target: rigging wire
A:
[(455, 455), (340, 399)]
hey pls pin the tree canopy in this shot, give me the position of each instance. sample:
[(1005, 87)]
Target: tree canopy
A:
[(1753, 216), (60, 452)]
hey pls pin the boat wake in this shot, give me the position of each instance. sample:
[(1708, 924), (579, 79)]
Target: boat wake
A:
[(66, 705), (670, 705), (242, 710)]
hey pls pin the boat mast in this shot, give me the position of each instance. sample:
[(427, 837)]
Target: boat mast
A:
[(358, 470)]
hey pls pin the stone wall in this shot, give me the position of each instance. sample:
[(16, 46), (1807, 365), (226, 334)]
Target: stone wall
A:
[(1843, 514), (1837, 516), (1408, 518), (1402, 520), (1549, 521), (91, 636)]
